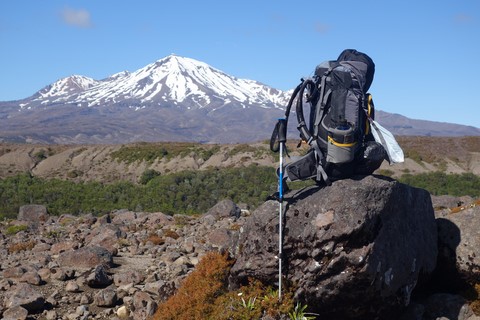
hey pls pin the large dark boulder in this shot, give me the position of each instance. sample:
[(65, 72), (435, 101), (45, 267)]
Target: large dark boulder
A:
[(353, 250)]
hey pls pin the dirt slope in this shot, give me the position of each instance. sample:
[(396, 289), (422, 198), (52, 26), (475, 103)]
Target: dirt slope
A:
[(108, 163)]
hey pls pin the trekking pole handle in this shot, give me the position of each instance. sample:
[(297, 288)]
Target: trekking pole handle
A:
[(282, 130)]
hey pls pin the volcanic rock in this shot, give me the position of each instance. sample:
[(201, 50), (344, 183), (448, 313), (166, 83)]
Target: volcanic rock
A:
[(353, 250)]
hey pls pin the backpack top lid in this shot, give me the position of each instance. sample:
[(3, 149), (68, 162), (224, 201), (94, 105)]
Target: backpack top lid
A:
[(354, 55)]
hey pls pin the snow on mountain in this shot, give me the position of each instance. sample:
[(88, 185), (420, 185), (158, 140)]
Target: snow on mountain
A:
[(172, 99), (66, 87), (172, 80)]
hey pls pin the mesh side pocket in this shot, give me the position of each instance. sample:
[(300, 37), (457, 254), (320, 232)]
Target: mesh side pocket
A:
[(302, 169)]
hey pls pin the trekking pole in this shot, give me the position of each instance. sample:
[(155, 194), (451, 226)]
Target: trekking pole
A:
[(282, 138)]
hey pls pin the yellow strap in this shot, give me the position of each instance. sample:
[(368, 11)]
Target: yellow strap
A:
[(330, 139), (369, 112), (369, 105)]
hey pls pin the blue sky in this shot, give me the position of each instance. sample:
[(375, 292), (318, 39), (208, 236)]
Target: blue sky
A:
[(426, 52)]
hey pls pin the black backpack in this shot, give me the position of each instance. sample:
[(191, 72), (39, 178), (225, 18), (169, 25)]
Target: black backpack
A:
[(337, 129)]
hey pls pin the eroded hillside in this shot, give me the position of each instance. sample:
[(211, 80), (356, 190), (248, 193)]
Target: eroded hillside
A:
[(109, 163)]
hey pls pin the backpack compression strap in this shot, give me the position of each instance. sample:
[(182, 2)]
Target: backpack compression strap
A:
[(302, 125), (305, 133)]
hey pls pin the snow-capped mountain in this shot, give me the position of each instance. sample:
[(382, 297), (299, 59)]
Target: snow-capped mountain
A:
[(172, 99), (185, 82)]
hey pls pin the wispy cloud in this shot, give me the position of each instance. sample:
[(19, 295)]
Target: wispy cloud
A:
[(463, 18), (321, 28), (76, 17)]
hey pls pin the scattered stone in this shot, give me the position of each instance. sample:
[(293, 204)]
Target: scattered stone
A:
[(33, 213), (220, 238), (106, 236), (26, 296), (14, 272), (62, 274), (31, 277), (99, 277), (224, 209), (144, 305), (106, 297), (123, 217), (41, 247), (86, 258), (123, 312), (5, 284), (131, 276), (160, 288), (15, 313), (72, 286), (81, 313), (51, 315), (63, 246), (159, 219)]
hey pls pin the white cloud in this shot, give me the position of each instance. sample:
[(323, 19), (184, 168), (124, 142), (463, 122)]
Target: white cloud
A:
[(76, 17), (463, 18), (321, 28)]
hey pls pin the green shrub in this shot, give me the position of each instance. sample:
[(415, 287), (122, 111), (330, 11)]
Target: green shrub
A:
[(440, 183), (148, 175), (186, 192), (150, 152), (14, 229), (385, 172)]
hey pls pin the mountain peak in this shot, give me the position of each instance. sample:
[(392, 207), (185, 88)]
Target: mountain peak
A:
[(171, 81), (67, 86)]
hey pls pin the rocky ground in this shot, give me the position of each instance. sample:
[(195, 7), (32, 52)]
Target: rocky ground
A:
[(118, 266), (122, 265)]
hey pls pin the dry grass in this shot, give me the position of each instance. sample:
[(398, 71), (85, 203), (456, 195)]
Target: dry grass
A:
[(155, 239), (204, 295), (171, 234), (475, 305), (195, 299), (22, 246)]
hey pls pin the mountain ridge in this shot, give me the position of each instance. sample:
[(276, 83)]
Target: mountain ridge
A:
[(172, 99)]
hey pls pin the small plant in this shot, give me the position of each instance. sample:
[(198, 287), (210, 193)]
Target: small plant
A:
[(11, 230), (123, 243), (53, 234), (74, 174), (299, 313), (180, 220), (40, 155), (250, 304), (235, 227)]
